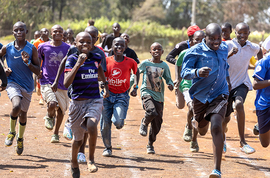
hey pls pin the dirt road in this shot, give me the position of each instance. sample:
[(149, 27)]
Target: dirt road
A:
[(172, 159)]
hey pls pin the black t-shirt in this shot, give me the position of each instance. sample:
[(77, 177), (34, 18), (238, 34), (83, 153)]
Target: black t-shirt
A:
[(108, 41), (129, 53), (176, 51)]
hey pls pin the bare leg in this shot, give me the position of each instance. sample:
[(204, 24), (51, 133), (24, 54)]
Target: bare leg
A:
[(92, 130), (217, 137), (239, 105), (82, 148), (265, 139), (75, 150), (59, 120), (51, 109)]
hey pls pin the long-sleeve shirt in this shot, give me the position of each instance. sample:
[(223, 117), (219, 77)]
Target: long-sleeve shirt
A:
[(206, 89), (176, 51)]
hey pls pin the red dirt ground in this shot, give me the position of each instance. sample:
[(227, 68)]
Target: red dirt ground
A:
[(172, 159)]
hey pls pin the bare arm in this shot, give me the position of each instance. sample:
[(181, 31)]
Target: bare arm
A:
[(34, 66), (103, 79), (260, 84), (69, 76), (59, 72), (260, 54)]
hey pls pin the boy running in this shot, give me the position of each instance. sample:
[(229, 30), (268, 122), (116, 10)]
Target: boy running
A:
[(239, 62), (152, 93), (53, 91), (206, 64), (22, 62), (184, 86), (116, 105), (261, 83), (81, 77)]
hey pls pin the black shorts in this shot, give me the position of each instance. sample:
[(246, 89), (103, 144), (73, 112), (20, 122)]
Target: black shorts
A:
[(202, 112), (242, 91)]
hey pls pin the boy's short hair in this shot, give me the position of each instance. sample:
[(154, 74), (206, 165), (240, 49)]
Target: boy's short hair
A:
[(227, 25), (91, 22), (91, 28)]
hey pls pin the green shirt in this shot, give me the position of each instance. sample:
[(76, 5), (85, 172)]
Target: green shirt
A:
[(185, 84), (152, 83)]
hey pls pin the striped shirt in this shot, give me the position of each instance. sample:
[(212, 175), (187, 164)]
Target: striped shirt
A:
[(85, 84)]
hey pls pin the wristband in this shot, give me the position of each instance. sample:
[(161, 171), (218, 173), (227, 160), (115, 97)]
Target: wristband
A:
[(197, 72), (135, 87), (29, 62)]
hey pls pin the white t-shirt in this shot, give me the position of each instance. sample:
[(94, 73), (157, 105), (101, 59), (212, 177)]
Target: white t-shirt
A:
[(266, 43), (239, 62)]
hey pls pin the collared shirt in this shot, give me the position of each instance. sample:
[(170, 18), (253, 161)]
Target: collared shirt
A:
[(206, 89), (239, 62), (262, 72)]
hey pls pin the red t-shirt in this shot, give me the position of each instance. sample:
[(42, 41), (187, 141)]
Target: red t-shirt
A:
[(118, 73)]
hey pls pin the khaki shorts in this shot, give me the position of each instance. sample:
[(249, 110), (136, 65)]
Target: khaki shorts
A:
[(13, 89), (60, 97)]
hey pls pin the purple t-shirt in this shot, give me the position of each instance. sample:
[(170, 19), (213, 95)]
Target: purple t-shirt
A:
[(52, 57)]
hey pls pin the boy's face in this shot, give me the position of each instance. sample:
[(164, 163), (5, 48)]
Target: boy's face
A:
[(94, 36), (44, 33), (19, 31), (198, 38), (226, 33), (64, 39), (213, 40), (118, 46), (116, 28), (126, 38), (69, 33), (156, 50), (57, 33), (36, 35), (242, 32), (84, 43)]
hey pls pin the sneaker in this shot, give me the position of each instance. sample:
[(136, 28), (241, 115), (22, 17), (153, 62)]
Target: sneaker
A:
[(49, 122), (143, 129), (256, 129), (19, 147), (92, 167), (187, 135), (247, 149), (150, 149), (41, 102), (81, 158), (10, 138), (55, 138), (107, 152), (224, 148), (75, 172), (194, 147), (67, 133), (224, 145), (215, 174)]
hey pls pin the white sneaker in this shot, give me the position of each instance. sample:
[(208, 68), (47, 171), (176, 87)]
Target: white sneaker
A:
[(67, 133), (81, 158)]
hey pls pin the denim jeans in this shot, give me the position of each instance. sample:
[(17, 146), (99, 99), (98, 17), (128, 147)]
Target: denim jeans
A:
[(114, 111)]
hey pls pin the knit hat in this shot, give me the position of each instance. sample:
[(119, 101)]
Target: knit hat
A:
[(192, 29)]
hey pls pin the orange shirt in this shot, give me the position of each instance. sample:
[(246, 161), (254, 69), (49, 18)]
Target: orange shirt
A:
[(37, 42), (118, 73)]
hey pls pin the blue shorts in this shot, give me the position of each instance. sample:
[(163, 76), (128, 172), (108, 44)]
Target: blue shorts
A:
[(263, 120)]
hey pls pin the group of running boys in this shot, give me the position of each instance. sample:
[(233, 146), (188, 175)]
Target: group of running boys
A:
[(211, 77)]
